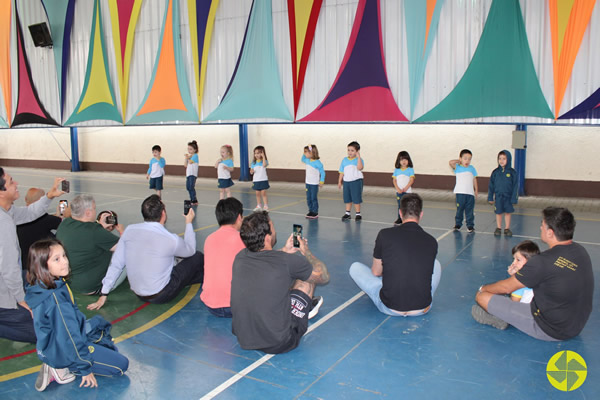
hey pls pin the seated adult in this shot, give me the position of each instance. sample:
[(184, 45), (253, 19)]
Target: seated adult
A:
[(404, 274), (220, 249), (562, 281), (147, 251), (266, 282), (16, 321), (88, 244), (41, 228)]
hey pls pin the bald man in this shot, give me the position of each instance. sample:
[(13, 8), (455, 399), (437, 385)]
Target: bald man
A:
[(41, 228)]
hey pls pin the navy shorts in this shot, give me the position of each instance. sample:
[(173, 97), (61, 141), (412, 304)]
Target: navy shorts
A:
[(502, 204), (261, 185), (225, 183), (156, 183), (353, 191)]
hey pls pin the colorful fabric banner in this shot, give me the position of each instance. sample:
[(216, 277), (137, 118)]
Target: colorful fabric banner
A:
[(5, 79), (421, 18), (589, 108), (303, 16), (202, 20), (254, 90), (29, 107), (97, 99), (124, 14), (60, 17), (568, 23), (501, 79), (361, 91), (167, 98)]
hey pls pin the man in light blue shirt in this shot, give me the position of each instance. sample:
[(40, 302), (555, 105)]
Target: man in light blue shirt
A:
[(148, 251)]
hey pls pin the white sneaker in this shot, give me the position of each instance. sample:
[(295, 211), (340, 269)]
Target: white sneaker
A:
[(317, 302), (258, 208), (43, 379), (62, 375), (266, 208)]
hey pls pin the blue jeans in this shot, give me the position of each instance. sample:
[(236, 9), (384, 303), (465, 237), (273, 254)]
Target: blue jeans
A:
[(221, 312), (371, 285), (311, 198), (190, 185), (16, 324), (465, 204)]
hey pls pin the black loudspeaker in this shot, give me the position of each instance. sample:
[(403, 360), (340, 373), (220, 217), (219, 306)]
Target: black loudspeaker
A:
[(40, 35)]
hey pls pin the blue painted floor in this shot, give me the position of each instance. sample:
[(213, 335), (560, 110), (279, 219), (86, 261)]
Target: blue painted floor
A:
[(351, 351)]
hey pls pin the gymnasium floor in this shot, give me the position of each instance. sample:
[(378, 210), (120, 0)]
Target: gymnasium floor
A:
[(351, 351)]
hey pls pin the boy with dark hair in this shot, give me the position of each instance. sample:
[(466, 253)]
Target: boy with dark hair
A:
[(503, 192), (352, 177), (156, 170), (465, 190), (521, 254)]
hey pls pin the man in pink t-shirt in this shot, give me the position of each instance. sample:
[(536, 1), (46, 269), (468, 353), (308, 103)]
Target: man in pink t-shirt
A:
[(220, 248)]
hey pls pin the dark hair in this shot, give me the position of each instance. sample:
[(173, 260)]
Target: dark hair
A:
[(527, 248), (109, 212), (38, 256), (262, 149), (465, 151), (193, 144), (152, 208), (2, 181), (355, 145), (502, 153), (403, 155), (411, 206), (561, 221), (255, 227), (156, 147), (227, 211), (314, 152)]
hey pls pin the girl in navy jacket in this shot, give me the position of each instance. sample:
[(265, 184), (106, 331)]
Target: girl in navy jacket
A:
[(64, 338)]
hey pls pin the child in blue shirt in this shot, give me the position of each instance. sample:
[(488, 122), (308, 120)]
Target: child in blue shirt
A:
[(156, 171), (503, 192), (258, 169), (465, 189), (315, 178), (403, 179), (191, 170), (521, 254), (352, 178), (224, 166)]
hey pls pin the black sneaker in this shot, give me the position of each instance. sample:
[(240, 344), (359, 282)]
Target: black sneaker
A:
[(497, 232), (507, 232), (358, 217), (485, 318), (346, 217), (471, 229), (312, 215), (317, 302), (398, 221), (456, 227)]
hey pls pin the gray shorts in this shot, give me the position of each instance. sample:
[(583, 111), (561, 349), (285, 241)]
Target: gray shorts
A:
[(518, 315)]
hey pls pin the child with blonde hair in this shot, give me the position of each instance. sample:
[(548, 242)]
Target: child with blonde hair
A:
[(258, 169), (224, 166)]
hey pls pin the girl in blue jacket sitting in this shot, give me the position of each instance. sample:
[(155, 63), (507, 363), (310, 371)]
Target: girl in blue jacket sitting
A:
[(64, 338)]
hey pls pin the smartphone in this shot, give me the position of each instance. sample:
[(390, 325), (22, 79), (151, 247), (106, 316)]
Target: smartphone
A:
[(297, 234), (65, 186), (187, 204), (62, 205)]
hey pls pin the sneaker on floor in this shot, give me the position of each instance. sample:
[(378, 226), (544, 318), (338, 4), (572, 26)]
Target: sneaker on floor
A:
[(398, 221), (265, 208), (257, 209), (498, 232), (312, 215), (346, 217), (358, 218), (317, 302), (507, 232), (62, 375), (485, 318), (456, 227), (195, 203), (471, 229), (43, 378)]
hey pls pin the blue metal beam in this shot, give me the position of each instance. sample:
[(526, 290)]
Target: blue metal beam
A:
[(520, 161), (75, 167), (244, 164)]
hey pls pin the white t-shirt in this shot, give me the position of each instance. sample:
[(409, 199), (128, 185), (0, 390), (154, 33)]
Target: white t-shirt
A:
[(464, 179)]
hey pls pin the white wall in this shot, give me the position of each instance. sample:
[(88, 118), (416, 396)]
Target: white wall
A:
[(565, 153)]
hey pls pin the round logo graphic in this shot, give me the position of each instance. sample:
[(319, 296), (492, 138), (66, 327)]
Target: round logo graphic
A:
[(566, 370)]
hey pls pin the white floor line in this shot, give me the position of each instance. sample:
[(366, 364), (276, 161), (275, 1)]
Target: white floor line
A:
[(219, 389)]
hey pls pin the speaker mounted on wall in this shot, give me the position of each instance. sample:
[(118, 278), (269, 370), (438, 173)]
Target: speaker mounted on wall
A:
[(40, 35)]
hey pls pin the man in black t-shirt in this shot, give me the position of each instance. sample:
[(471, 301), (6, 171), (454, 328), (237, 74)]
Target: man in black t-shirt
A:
[(404, 274), (562, 281), (267, 314)]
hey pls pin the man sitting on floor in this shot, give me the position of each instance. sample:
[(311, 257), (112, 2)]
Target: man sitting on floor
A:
[(148, 251), (404, 274), (267, 282), (562, 281), (88, 244), (220, 249)]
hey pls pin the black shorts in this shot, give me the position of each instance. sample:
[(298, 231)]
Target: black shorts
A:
[(300, 307)]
